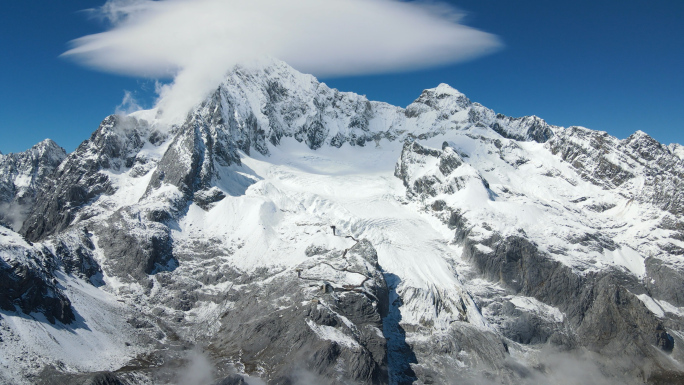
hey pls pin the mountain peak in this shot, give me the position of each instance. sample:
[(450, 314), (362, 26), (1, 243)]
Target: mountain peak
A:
[(642, 138), (48, 148), (443, 97), (46, 144), (268, 68), (638, 134), (445, 89)]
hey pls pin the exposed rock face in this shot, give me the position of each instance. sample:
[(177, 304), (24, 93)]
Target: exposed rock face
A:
[(602, 308), (76, 254), (79, 179), (201, 145), (608, 162), (442, 179), (102, 378), (26, 281), (470, 247), (22, 176), (666, 281), (135, 250), (325, 317)]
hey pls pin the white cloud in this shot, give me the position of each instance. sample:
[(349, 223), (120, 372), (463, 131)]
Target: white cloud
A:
[(128, 104), (197, 41)]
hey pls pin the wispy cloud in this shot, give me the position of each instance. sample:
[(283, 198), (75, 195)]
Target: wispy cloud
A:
[(196, 42), (128, 104)]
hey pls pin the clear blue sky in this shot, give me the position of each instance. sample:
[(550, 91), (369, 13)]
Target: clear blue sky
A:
[(616, 66)]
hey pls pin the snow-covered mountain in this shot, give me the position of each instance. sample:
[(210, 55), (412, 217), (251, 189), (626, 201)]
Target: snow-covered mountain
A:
[(469, 247)]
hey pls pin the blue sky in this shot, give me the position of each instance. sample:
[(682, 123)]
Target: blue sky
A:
[(608, 65)]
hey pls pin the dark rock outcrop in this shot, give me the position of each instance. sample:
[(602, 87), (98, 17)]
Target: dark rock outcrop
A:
[(317, 320), (78, 180), (22, 177), (27, 284), (135, 249)]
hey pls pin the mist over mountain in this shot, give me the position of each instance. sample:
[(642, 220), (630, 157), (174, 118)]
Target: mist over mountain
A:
[(289, 233)]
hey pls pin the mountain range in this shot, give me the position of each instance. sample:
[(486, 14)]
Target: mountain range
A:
[(468, 246)]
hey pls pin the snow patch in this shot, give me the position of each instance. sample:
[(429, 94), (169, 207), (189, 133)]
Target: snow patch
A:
[(330, 333), (660, 307), (535, 306), (652, 305), (628, 258)]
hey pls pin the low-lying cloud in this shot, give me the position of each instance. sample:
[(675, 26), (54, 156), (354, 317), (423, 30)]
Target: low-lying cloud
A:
[(13, 215), (196, 42)]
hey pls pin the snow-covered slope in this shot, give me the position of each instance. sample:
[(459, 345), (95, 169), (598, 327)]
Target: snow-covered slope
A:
[(469, 246)]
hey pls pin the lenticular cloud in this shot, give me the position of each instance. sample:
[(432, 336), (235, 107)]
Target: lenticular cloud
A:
[(197, 41)]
